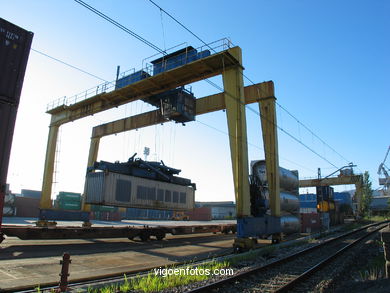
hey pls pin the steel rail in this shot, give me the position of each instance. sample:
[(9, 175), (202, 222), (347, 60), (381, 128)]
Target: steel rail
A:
[(114, 277), (263, 268), (301, 278)]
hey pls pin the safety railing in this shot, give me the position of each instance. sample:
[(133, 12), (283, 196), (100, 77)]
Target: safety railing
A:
[(189, 55)]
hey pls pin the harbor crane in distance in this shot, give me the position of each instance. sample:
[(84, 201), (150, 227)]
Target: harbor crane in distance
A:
[(383, 169)]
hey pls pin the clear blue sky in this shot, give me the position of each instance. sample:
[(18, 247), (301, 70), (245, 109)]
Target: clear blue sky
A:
[(329, 61)]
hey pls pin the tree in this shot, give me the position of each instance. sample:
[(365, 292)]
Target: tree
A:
[(366, 194)]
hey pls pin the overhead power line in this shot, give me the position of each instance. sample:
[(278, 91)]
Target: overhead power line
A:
[(312, 133), (246, 77), (117, 24), (99, 13), (67, 64)]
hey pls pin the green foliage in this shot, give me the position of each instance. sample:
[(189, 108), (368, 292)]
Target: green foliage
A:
[(155, 283), (366, 194)]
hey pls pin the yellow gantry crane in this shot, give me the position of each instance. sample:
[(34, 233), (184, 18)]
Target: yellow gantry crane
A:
[(227, 63), (342, 179)]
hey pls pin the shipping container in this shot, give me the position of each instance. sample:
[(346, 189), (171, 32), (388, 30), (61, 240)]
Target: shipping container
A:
[(69, 205), (15, 44), (27, 207), (7, 123), (148, 214), (308, 197), (68, 196), (308, 210), (31, 193), (99, 208), (199, 214), (63, 215), (108, 188), (310, 222), (289, 181)]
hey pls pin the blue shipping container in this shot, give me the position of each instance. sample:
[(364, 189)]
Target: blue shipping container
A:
[(343, 198)]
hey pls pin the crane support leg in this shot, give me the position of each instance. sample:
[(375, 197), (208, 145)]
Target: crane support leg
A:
[(235, 112), (92, 158), (270, 140), (45, 202)]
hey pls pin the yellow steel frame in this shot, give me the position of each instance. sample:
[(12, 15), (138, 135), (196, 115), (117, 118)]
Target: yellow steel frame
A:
[(233, 99)]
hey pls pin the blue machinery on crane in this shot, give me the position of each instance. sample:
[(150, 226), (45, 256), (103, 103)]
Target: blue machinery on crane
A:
[(189, 66)]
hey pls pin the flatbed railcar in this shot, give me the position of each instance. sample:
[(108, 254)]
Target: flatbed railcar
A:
[(130, 232)]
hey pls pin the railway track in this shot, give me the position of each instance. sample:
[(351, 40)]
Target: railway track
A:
[(285, 274), (278, 276), (77, 248)]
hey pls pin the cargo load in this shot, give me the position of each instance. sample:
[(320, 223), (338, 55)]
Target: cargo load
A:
[(138, 184)]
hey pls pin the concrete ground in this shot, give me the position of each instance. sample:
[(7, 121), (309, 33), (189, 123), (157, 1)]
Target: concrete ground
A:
[(32, 262)]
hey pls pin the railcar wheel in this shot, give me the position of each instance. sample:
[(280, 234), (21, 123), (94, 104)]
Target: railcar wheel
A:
[(160, 236), (144, 237)]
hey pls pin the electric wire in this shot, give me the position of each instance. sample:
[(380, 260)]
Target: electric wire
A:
[(117, 24), (312, 133), (99, 13), (252, 144), (299, 141), (67, 64)]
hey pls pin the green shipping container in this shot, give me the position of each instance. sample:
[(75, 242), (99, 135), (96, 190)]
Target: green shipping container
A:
[(98, 208), (69, 205), (69, 196)]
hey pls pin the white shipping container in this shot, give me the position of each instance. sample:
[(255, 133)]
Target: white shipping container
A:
[(113, 189)]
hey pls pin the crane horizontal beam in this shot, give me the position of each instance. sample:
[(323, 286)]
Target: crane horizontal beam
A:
[(340, 180), (191, 72), (253, 93)]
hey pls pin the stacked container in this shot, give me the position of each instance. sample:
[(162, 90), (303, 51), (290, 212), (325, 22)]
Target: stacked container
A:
[(27, 206), (68, 201), (310, 218), (105, 213), (148, 214)]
